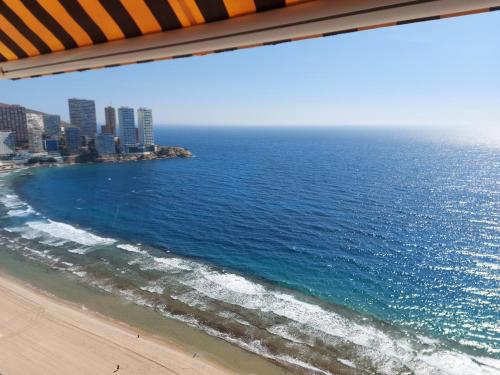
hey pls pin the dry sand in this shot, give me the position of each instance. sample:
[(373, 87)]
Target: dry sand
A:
[(40, 334)]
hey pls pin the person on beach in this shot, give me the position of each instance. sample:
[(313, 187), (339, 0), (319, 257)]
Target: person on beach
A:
[(117, 368)]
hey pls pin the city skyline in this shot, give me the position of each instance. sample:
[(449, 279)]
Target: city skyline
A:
[(41, 133), (433, 73)]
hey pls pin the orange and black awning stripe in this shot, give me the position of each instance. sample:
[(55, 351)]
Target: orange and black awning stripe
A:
[(33, 28), (30, 27)]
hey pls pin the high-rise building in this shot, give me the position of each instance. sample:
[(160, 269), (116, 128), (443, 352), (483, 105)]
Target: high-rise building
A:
[(105, 144), (35, 132), (7, 143), (13, 119), (110, 117), (73, 139), (145, 119), (82, 115), (52, 126), (127, 126)]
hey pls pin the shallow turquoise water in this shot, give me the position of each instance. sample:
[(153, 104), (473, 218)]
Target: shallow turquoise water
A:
[(380, 241)]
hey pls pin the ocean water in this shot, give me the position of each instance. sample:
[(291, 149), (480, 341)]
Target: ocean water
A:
[(346, 251)]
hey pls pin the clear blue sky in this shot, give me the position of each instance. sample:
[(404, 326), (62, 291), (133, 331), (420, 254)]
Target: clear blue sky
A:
[(434, 73)]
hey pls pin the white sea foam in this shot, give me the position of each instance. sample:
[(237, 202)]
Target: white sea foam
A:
[(283, 330), (171, 264), (12, 201), (21, 212), (131, 248), (81, 274), (234, 283), (14, 229), (79, 250), (45, 254), (52, 241), (153, 288), (233, 316), (299, 363), (448, 362), (256, 347), (69, 233), (133, 297), (384, 351), (191, 299), (346, 362), (428, 340), (24, 231)]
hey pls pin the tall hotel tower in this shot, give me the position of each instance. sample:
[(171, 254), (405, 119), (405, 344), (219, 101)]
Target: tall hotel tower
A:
[(82, 115), (145, 119), (35, 132), (127, 126), (110, 116), (13, 119), (52, 126)]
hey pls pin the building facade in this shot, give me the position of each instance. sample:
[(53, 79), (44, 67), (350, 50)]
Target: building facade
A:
[(13, 119), (105, 144), (127, 126), (110, 117), (7, 143), (73, 139), (52, 126), (51, 145), (145, 119), (82, 115), (35, 132)]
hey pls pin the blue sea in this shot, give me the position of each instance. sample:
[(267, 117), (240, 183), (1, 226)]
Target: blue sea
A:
[(330, 250)]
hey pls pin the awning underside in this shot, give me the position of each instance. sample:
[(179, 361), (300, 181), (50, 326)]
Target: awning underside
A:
[(41, 37)]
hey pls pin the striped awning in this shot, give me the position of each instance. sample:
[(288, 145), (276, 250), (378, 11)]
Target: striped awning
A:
[(40, 37)]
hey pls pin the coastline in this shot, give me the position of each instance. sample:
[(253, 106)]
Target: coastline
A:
[(91, 332), (37, 328), (162, 152), (40, 282), (75, 268)]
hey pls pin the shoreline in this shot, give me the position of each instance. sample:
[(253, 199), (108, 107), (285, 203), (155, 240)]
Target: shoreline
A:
[(85, 318), (48, 160), (65, 289), (83, 341), (146, 287)]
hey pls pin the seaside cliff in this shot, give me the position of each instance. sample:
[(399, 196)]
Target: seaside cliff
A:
[(91, 156), (161, 152)]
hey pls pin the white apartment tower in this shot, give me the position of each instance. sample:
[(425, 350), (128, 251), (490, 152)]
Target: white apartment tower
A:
[(145, 119), (35, 132), (13, 119), (127, 126)]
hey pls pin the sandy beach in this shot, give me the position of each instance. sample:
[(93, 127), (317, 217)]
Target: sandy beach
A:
[(40, 334)]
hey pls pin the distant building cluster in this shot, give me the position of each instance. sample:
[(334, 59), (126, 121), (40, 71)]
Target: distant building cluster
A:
[(27, 131)]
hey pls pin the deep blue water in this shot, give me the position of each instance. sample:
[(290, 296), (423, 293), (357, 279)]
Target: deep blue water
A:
[(385, 222)]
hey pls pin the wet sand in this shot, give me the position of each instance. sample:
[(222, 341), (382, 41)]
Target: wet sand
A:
[(44, 283), (41, 334)]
